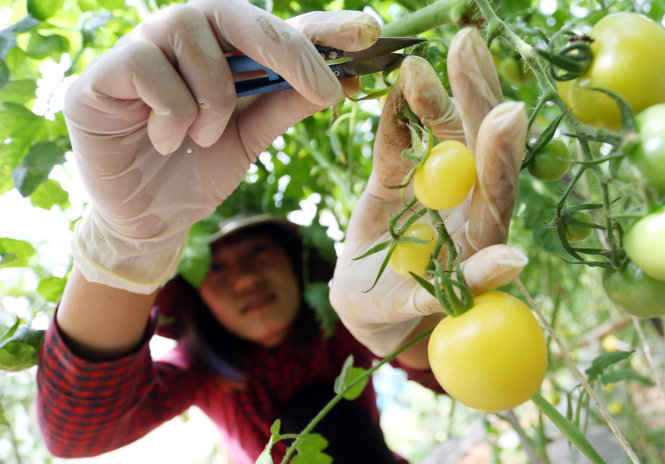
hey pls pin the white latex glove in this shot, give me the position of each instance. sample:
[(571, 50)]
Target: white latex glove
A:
[(160, 138), (495, 132)]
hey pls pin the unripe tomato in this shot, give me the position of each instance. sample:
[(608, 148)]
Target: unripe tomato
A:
[(551, 162), (445, 178), (491, 358), (649, 156), (630, 289), (414, 257), (628, 59), (575, 233), (644, 244)]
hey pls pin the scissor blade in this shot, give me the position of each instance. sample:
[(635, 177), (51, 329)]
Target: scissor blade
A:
[(373, 65), (384, 46)]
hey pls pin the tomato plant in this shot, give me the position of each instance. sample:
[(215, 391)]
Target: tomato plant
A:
[(649, 156), (551, 162), (577, 233), (445, 178), (410, 256), (628, 59), (630, 289), (645, 244), (492, 357)]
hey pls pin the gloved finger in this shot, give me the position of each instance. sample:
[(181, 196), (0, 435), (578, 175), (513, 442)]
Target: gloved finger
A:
[(499, 152), (488, 269), (473, 80), (184, 36), (275, 44), (123, 89), (260, 123), (429, 100), (392, 137), (345, 29)]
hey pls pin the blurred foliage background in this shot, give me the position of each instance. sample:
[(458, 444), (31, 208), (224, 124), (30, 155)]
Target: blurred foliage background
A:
[(315, 172)]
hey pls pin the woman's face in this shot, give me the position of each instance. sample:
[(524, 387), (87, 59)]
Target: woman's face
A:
[(251, 289)]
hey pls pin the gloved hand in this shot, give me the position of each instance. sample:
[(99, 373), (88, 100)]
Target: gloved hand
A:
[(495, 132), (161, 140)]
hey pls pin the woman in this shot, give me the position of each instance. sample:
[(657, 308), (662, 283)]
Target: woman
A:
[(249, 351)]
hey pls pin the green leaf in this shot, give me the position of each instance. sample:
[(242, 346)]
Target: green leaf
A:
[(50, 194), (36, 166), (266, 457), (44, 9), (316, 295), (605, 360), (44, 46), (112, 4), (21, 124), (347, 376), (15, 253), (4, 74), (21, 91), (310, 450), (51, 288), (196, 258), (568, 429), (20, 351), (92, 24), (622, 374)]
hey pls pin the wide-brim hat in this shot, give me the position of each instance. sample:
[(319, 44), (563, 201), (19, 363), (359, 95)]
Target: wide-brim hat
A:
[(177, 291)]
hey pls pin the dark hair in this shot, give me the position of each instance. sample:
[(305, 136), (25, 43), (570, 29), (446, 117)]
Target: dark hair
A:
[(217, 348)]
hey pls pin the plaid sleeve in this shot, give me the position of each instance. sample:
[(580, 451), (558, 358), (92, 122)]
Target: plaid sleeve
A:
[(87, 408)]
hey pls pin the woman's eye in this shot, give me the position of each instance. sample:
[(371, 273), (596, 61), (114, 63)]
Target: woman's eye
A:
[(215, 267)]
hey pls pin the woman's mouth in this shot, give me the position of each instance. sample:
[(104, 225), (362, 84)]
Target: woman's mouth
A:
[(259, 303)]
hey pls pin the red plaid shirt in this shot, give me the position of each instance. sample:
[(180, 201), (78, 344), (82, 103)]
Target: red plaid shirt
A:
[(88, 408)]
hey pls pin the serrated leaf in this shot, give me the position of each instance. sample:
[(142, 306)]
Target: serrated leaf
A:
[(19, 352), (36, 166), (310, 450), (44, 9), (50, 194), (15, 253), (51, 288), (605, 360)]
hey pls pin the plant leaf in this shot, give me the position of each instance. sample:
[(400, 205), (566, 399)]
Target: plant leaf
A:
[(568, 429)]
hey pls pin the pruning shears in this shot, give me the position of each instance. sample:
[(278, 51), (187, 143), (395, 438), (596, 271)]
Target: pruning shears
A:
[(377, 58)]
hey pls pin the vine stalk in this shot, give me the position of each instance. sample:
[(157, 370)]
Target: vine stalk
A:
[(606, 416)]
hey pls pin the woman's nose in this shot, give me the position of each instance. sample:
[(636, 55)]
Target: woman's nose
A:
[(246, 278)]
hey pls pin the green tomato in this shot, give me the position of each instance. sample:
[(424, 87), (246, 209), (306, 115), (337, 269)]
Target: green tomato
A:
[(491, 358), (628, 59), (576, 233), (630, 289), (644, 244), (414, 257), (551, 162), (649, 157), (445, 178)]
